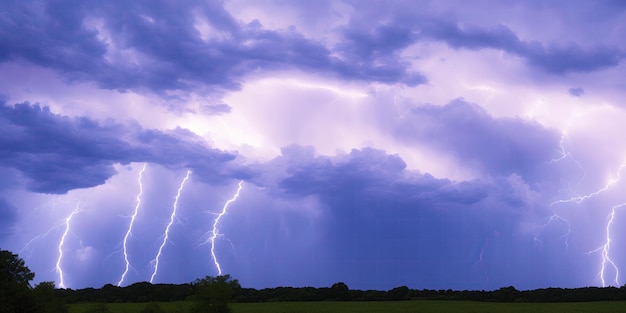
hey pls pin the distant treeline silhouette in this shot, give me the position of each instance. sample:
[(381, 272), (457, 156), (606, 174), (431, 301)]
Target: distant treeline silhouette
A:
[(147, 292)]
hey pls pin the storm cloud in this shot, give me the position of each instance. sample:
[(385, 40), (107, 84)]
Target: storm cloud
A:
[(58, 153), (379, 143)]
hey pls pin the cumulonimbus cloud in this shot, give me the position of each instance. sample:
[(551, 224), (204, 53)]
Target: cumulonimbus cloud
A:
[(58, 153)]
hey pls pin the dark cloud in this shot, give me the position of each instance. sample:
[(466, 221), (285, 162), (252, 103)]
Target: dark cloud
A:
[(557, 59), (51, 35), (471, 37), (498, 146), (382, 40), (570, 58), (576, 91), (381, 45), (7, 217), (216, 109), (369, 173), (58, 153), (156, 45), (414, 228), (375, 39), (373, 175)]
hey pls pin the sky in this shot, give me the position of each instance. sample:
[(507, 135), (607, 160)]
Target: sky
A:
[(432, 144)]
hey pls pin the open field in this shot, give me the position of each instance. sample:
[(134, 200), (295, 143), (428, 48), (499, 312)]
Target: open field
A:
[(384, 306)]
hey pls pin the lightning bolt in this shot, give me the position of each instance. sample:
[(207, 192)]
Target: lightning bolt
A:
[(52, 205), (215, 232), (553, 219), (605, 249), (608, 266), (167, 229), (43, 235), (579, 199), (130, 226), (59, 268), (563, 154), (607, 261), (480, 264)]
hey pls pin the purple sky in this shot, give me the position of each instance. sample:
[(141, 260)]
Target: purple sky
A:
[(431, 144)]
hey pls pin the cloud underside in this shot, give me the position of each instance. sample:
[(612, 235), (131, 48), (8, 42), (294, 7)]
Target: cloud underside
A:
[(165, 46), (58, 153)]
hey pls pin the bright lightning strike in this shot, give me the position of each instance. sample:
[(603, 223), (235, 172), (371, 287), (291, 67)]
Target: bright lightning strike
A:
[(578, 199), (607, 262), (130, 226), (215, 232), (53, 204), (605, 248), (59, 267), (167, 229)]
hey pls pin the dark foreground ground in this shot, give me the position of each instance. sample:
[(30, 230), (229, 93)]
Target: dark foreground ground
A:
[(415, 306)]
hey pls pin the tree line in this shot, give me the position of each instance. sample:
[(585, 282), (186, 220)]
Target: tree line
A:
[(146, 292), (209, 295), (17, 295)]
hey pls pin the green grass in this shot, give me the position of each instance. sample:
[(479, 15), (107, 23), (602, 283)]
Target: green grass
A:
[(385, 307), (170, 307)]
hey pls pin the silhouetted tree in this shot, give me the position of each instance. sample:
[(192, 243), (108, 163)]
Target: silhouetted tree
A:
[(505, 294), (15, 277), (340, 291), (46, 300), (212, 294), (398, 293)]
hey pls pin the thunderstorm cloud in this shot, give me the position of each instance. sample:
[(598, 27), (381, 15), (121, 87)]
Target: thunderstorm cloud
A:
[(429, 144), (57, 153)]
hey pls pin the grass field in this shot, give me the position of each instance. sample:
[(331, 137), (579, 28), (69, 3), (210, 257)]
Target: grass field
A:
[(384, 306)]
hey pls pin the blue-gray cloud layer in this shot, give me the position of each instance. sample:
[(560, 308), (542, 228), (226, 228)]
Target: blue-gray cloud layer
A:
[(58, 153), (167, 50), (154, 45), (396, 225), (385, 225), (497, 146), (400, 25), (553, 58)]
